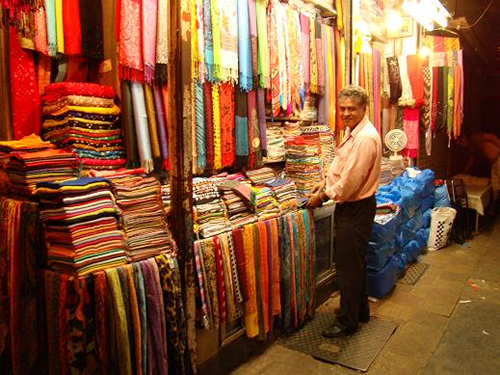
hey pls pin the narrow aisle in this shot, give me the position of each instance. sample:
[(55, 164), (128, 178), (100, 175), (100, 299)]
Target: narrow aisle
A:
[(447, 321)]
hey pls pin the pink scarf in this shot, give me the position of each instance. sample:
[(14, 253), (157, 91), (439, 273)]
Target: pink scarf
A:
[(149, 8), (129, 25)]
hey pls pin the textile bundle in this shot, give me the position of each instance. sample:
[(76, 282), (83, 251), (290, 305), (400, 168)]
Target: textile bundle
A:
[(84, 118), (81, 227), (269, 266), (128, 319)]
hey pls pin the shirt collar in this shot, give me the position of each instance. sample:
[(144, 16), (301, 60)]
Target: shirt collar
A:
[(356, 130)]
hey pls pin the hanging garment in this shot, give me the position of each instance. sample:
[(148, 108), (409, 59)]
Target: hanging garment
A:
[(221, 287), (41, 31), (216, 127), (314, 56), (254, 47), (208, 41), (140, 288), (244, 46), (306, 53), (205, 322), (209, 120), (201, 156), (394, 79), (141, 127), (251, 314), (162, 30), (150, 110), (161, 123), (149, 13), (130, 53), (263, 47), (24, 93), (227, 118), (241, 128), (411, 128), (92, 29), (273, 93), (261, 114), (320, 58), (72, 28), (415, 64)]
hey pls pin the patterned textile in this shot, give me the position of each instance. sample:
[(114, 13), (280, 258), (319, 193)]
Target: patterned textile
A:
[(130, 53), (161, 122), (208, 40), (221, 287), (55, 91), (227, 56), (209, 124), (41, 31), (314, 56), (394, 79), (209, 259), (320, 58), (216, 127), (149, 13), (227, 124), (162, 42), (250, 305), (201, 140), (426, 110), (24, 94), (153, 127), (72, 31)]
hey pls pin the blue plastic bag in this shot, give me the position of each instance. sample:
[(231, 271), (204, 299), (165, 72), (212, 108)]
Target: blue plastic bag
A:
[(441, 197)]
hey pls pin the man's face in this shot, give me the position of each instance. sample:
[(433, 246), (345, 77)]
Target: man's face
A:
[(351, 112)]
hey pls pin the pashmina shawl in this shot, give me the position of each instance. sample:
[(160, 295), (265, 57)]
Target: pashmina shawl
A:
[(161, 52), (306, 53), (252, 13), (201, 156), (227, 117), (411, 128), (153, 128), (244, 46), (130, 53), (141, 127), (209, 127), (314, 56), (149, 10), (208, 41), (251, 314), (128, 123), (50, 13), (228, 41), (41, 31)]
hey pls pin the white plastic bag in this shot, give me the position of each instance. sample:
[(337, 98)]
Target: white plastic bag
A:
[(441, 223)]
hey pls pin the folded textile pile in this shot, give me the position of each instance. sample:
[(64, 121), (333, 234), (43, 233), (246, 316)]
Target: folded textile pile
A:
[(264, 203), (285, 192), (165, 195), (303, 164), (261, 175), (25, 169), (275, 143), (326, 141), (142, 216), (83, 117), (236, 195), (385, 171), (29, 143), (81, 225), (210, 217)]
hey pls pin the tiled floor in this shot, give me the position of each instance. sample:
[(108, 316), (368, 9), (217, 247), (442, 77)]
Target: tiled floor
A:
[(449, 321)]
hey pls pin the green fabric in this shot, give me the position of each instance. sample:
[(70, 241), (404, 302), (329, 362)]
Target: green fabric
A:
[(263, 58)]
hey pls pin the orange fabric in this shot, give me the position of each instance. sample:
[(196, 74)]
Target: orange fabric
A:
[(276, 307), (264, 275), (251, 315)]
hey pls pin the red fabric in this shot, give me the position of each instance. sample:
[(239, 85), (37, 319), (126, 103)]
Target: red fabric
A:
[(264, 272), (71, 24), (220, 281), (435, 98), (56, 90), (227, 108), (25, 97), (415, 64)]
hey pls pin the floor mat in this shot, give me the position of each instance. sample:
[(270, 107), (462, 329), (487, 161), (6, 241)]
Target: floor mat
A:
[(413, 273), (356, 351)]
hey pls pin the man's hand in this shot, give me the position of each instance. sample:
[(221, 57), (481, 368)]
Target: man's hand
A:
[(314, 201), (317, 188)]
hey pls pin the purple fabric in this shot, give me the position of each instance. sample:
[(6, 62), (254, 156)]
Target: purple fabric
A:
[(160, 122), (261, 113)]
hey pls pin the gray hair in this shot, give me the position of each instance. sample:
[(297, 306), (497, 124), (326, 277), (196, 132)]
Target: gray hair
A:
[(354, 92)]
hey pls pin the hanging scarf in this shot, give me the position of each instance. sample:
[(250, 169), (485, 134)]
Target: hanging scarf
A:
[(216, 38), (228, 54), (295, 60), (410, 127), (72, 32), (323, 99), (201, 156), (241, 128), (149, 8), (200, 42), (24, 94), (134, 316), (211, 271), (407, 93), (314, 56), (306, 53), (415, 65), (283, 52), (161, 124), (285, 272), (444, 97), (254, 154), (321, 64), (141, 127), (264, 67), (274, 92), (457, 119), (221, 288), (394, 79), (41, 31), (162, 29), (209, 127), (227, 117), (92, 29), (201, 285), (426, 109), (50, 13), (217, 128), (150, 110), (143, 318), (450, 101), (166, 161), (44, 72), (251, 314), (261, 114), (258, 282), (128, 123), (130, 58), (434, 97), (330, 57), (59, 26), (376, 90), (263, 271), (293, 274), (254, 43), (208, 40), (244, 46)]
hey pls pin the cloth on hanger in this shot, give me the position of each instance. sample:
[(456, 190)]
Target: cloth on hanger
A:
[(394, 79), (141, 127), (216, 127), (92, 29), (245, 46), (411, 128), (130, 53)]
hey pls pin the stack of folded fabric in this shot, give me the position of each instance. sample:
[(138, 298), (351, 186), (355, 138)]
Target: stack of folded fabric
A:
[(210, 217), (81, 225), (165, 195), (292, 129), (261, 175), (326, 141), (303, 163), (84, 118), (285, 192), (142, 216), (385, 171), (264, 203), (26, 169), (236, 195), (275, 143), (29, 143)]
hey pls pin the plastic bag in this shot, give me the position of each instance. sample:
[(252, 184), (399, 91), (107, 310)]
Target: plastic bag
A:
[(441, 224), (441, 196)]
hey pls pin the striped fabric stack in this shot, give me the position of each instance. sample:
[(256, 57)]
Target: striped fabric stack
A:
[(264, 203), (261, 175), (81, 227), (26, 169), (84, 118), (303, 164), (210, 214), (326, 141), (236, 196), (285, 192), (142, 216)]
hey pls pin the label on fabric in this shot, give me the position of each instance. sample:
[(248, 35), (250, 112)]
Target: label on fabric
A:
[(105, 66)]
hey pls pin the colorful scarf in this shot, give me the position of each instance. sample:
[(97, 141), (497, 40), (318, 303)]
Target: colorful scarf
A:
[(59, 26), (320, 57), (24, 93), (264, 67), (254, 47), (143, 318), (228, 53), (241, 128), (295, 61), (217, 128), (306, 53), (128, 123), (227, 117), (201, 285), (211, 273), (273, 94), (216, 38), (314, 56), (41, 31), (258, 282), (50, 13), (221, 287), (208, 40), (244, 46), (411, 128), (101, 318), (130, 53), (150, 110), (457, 116), (72, 31), (201, 156), (162, 29), (149, 8), (209, 121), (200, 41), (141, 127), (92, 29), (394, 79), (261, 114), (251, 314), (331, 94), (161, 123)]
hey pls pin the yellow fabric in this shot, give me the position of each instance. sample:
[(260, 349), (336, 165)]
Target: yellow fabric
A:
[(29, 142), (217, 130), (150, 110), (59, 26), (115, 110), (251, 314)]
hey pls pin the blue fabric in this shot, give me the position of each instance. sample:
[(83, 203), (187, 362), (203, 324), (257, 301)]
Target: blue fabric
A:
[(244, 49), (241, 136), (441, 197), (208, 41), (201, 153)]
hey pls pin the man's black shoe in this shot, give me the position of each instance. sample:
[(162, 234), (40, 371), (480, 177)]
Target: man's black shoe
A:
[(363, 318), (336, 331)]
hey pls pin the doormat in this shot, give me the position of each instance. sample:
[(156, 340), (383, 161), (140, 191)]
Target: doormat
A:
[(356, 351), (413, 273)]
